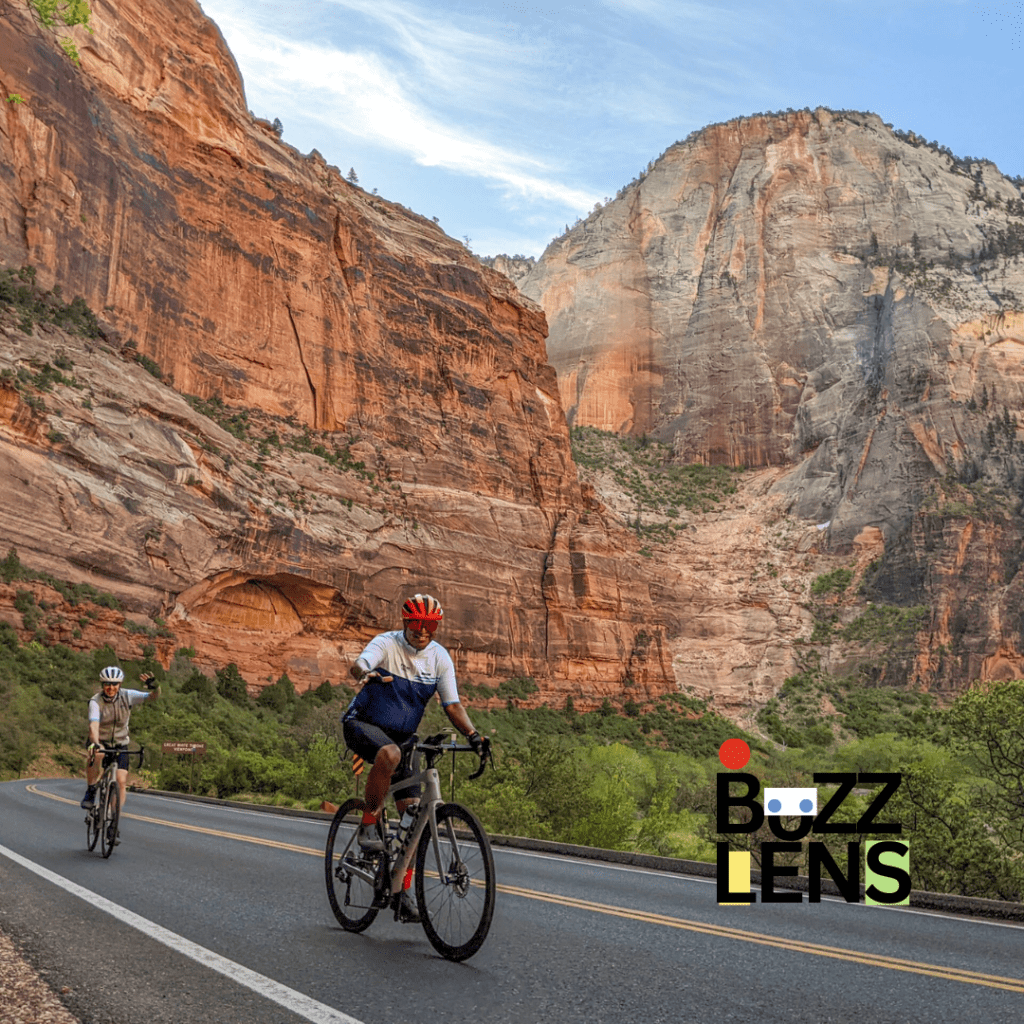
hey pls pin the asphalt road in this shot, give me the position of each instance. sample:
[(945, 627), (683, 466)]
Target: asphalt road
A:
[(214, 914)]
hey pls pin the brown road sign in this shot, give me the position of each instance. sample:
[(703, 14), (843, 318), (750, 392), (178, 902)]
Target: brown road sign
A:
[(184, 748)]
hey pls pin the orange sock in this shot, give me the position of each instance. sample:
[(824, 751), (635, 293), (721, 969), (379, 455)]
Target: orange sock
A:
[(369, 819), (407, 884)]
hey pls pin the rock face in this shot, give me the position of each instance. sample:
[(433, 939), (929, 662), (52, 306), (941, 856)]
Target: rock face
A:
[(392, 422), (515, 268), (816, 293)]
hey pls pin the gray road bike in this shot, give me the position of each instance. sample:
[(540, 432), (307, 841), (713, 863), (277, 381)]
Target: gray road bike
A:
[(454, 868), (101, 820)]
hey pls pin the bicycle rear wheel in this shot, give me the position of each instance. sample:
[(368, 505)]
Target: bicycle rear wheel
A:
[(111, 808), (350, 870), (92, 820), (455, 892)]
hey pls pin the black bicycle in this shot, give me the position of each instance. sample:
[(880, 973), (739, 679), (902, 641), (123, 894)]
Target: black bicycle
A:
[(455, 887), (101, 820)]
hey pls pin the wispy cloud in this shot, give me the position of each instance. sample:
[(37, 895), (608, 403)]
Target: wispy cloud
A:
[(476, 53), (357, 93)]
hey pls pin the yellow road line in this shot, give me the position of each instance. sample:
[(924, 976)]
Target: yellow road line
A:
[(196, 828), (719, 931), (796, 945)]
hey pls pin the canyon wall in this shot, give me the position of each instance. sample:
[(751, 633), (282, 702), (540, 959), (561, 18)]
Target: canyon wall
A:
[(808, 290), (396, 423), (819, 295)]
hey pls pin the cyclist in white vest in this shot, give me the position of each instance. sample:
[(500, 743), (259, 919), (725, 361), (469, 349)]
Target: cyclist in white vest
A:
[(109, 711), (400, 671)]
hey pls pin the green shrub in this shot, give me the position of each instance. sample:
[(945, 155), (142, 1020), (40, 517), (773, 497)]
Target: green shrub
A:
[(231, 685), (834, 582)]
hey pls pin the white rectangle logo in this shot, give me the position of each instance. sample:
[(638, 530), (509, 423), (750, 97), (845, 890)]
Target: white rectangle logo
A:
[(790, 802)]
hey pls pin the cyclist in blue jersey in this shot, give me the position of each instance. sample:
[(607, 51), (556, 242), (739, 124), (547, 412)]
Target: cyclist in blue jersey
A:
[(400, 671)]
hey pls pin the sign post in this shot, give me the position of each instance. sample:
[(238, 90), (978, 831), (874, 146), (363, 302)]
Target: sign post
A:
[(186, 748)]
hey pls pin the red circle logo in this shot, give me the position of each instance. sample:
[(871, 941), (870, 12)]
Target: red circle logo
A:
[(734, 753)]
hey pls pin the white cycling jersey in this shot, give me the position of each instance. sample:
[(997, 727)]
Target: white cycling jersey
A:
[(416, 676)]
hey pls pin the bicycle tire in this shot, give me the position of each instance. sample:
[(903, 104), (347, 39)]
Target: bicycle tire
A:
[(92, 819), (456, 909), (350, 896), (110, 816)]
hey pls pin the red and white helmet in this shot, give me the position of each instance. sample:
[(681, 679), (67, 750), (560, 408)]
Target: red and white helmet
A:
[(423, 606)]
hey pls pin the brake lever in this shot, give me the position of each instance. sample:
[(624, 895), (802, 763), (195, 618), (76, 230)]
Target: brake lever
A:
[(485, 753)]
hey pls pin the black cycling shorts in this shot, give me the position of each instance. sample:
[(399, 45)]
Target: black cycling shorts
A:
[(123, 760), (366, 739)]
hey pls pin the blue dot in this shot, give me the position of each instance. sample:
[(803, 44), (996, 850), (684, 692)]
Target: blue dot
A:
[(806, 806), (774, 805)]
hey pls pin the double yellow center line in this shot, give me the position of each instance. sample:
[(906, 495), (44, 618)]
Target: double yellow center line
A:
[(718, 931)]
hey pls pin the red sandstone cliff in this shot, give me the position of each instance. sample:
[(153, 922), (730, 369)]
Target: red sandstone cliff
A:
[(247, 273)]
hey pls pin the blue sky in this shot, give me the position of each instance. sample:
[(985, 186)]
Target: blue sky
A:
[(508, 120)]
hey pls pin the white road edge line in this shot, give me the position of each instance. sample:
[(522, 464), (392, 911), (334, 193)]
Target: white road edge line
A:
[(296, 1002)]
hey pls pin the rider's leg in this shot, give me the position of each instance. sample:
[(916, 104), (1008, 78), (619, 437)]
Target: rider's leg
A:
[(384, 765), (122, 784)]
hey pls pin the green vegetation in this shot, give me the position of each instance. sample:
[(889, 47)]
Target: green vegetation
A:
[(235, 423), (641, 467), (149, 365), (12, 570), (644, 780), (887, 624), (68, 12), (20, 292), (959, 802), (598, 778), (834, 582), (274, 434)]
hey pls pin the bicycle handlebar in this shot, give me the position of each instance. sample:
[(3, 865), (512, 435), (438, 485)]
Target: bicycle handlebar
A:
[(434, 746)]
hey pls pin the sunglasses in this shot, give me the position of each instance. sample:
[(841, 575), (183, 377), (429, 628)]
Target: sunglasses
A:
[(105, 685), (418, 625)]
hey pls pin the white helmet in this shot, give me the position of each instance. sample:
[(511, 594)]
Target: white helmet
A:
[(112, 674)]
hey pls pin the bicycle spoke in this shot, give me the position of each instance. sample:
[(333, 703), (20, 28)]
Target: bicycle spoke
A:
[(456, 888), (349, 870), (111, 810)]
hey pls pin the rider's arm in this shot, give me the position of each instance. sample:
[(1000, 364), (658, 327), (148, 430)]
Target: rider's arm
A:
[(457, 716), (373, 653), (94, 722)]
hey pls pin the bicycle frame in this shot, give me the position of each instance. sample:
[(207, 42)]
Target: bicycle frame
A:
[(108, 777), (455, 892), (426, 816)]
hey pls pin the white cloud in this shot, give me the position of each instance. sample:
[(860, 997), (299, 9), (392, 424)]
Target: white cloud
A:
[(357, 93), (451, 56)]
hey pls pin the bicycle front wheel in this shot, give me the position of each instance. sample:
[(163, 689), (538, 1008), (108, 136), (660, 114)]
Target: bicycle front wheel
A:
[(111, 813), (455, 889), (92, 822), (350, 870)]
